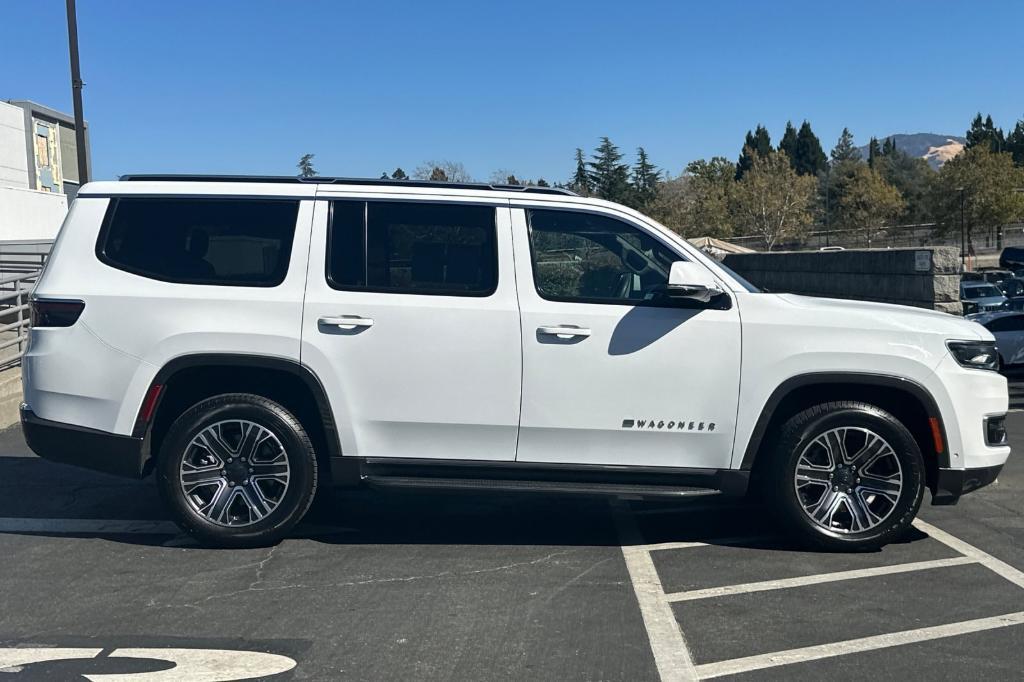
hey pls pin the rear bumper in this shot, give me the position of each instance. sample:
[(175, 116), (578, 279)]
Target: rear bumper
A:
[(950, 484), (68, 444)]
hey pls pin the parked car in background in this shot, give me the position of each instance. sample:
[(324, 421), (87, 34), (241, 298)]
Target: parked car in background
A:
[(981, 297), (1011, 287), (1012, 258), (995, 275), (1008, 328), (972, 277)]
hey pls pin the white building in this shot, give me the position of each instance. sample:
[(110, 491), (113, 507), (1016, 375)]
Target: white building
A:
[(38, 170)]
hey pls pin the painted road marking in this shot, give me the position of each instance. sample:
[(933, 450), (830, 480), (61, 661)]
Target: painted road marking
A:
[(671, 655), (195, 665), (785, 583), (668, 644), (125, 527), (853, 646), (985, 559)]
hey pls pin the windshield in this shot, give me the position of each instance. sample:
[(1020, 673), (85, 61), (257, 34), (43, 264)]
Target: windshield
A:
[(981, 292)]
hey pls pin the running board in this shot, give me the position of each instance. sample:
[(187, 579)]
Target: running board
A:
[(548, 478), (558, 487)]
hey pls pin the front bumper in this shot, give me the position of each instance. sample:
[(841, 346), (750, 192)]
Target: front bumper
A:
[(98, 450), (950, 484)]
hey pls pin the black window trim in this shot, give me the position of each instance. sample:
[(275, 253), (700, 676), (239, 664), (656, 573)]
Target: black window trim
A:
[(108, 218), (402, 292), (722, 302)]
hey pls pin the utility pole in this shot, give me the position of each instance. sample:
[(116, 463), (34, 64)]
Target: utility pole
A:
[(76, 94), (963, 234)]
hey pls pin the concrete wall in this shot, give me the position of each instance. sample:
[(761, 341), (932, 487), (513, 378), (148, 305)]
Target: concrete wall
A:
[(30, 214), (925, 278), (13, 157)]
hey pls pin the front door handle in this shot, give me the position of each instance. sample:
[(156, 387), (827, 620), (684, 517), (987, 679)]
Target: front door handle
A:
[(346, 321), (563, 331)]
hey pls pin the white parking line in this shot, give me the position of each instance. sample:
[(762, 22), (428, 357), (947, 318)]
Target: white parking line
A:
[(852, 646), (987, 560), (785, 583), (675, 661), (671, 655)]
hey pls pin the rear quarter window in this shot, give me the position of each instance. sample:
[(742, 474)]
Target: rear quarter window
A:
[(227, 242)]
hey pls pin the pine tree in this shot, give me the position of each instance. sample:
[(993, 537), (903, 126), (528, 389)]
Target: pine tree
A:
[(889, 146), (399, 174), (438, 175), (608, 177), (645, 180), (1015, 143), (580, 182), (810, 158), (874, 151), (759, 143), (788, 143), (305, 166), (986, 134), (845, 150), (541, 182)]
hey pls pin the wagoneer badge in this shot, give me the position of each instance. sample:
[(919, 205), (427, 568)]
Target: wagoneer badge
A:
[(667, 425)]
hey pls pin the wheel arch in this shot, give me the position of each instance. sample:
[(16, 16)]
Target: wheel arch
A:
[(187, 379), (907, 400)]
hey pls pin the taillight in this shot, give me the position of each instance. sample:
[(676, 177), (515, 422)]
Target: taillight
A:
[(44, 313)]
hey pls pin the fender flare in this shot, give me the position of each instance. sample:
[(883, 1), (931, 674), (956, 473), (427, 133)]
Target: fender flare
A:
[(287, 365), (919, 392)]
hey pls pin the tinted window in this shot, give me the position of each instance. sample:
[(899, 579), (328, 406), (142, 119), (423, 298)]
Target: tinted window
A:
[(592, 258), (981, 291), (239, 242), (413, 248)]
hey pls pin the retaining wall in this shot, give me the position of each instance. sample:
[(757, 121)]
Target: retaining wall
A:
[(925, 278)]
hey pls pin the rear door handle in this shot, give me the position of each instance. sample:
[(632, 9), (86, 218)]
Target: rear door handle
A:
[(563, 331), (346, 321)]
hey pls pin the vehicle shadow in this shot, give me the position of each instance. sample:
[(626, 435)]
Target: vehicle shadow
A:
[(33, 490)]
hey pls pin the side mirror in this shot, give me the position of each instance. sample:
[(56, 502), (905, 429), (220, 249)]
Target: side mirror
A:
[(691, 281)]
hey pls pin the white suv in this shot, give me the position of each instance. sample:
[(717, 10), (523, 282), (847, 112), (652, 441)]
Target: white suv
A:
[(248, 339)]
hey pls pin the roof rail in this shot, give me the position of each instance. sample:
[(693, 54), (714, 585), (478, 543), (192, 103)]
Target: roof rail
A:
[(319, 180)]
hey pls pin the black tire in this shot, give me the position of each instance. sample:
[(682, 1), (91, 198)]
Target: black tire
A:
[(295, 495), (798, 434)]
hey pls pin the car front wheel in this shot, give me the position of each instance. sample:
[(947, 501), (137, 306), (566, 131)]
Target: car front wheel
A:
[(237, 470), (846, 476)]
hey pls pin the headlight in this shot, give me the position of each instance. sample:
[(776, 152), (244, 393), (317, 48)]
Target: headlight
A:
[(975, 354)]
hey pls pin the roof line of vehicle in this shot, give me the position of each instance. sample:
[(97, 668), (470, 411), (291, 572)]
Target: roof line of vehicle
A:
[(319, 180)]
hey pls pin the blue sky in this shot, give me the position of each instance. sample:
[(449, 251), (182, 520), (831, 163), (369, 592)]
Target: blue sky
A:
[(247, 86)]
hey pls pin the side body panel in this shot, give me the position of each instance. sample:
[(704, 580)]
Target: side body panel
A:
[(435, 376), (96, 373), (650, 386)]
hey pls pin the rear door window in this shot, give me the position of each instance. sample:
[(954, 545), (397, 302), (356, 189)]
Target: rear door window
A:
[(228, 242), (412, 248)]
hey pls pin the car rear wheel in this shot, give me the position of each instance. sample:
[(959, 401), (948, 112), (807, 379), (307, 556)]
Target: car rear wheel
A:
[(237, 470), (846, 476)]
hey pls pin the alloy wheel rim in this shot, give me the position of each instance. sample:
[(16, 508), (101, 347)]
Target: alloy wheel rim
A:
[(848, 480), (234, 473)]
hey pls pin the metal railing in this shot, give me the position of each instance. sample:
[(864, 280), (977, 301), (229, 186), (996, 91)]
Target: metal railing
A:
[(21, 263)]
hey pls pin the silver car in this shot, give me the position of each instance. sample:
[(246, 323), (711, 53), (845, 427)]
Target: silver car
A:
[(981, 297), (1008, 328)]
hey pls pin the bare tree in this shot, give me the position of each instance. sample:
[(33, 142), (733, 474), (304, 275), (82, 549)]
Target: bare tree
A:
[(452, 171)]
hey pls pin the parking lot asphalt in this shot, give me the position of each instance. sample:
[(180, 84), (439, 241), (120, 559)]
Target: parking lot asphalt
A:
[(95, 582)]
